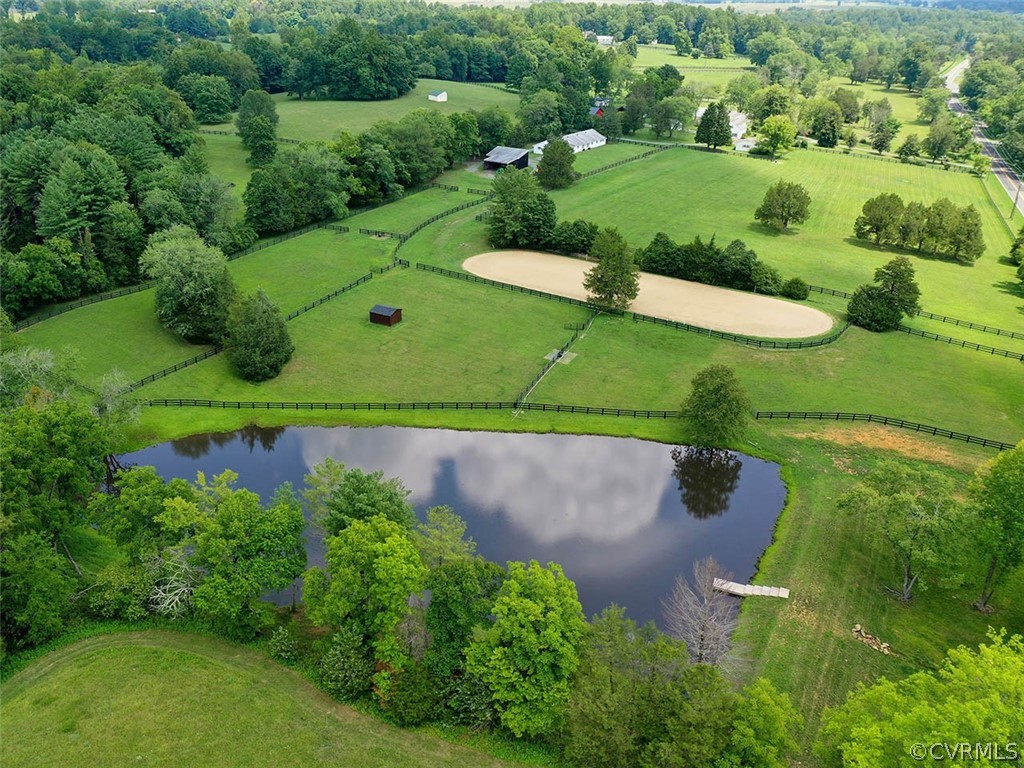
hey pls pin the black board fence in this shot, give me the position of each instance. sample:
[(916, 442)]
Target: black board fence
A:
[(83, 302), (448, 187), (962, 343), (577, 332), (887, 421), (513, 405), (382, 233), (738, 338), (172, 369), (626, 160)]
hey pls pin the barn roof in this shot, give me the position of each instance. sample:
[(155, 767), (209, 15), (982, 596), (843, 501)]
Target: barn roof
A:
[(583, 138), (504, 155), (381, 309), (437, 93)]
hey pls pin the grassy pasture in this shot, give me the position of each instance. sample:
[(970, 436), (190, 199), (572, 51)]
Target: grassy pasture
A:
[(159, 698), (685, 193), (407, 212), (323, 120), (226, 157), (457, 341)]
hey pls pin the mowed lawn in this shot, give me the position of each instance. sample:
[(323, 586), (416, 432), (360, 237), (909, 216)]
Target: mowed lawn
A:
[(406, 212), (686, 193), (117, 335), (324, 120), (456, 341), (123, 334), (637, 365), (715, 72), (160, 698), (227, 159)]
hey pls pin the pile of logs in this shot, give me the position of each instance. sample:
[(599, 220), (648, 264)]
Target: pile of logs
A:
[(874, 642)]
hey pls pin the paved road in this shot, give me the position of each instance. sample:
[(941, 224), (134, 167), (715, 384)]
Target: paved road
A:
[(1003, 172)]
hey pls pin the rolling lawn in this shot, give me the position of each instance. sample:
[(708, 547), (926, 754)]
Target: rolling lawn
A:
[(456, 341), (159, 698), (323, 120), (685, 193), (226, 157), (714, 72)]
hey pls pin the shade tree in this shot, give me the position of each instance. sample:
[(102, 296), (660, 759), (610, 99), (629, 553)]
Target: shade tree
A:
[(615, 280), (784, 203), (256, 340), (717, 409)]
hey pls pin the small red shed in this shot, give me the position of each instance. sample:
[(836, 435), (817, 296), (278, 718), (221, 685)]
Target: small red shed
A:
[(382, 315)]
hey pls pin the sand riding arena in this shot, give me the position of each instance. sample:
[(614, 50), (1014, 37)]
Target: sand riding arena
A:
[(721, 309)]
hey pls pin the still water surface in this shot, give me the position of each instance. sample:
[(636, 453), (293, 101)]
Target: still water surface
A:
[(622, 516)]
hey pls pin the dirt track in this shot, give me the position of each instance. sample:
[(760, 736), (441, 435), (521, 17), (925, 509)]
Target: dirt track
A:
[(705, 305)]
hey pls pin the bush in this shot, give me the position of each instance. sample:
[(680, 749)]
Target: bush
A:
[(283, 646), (468, 702), (574, 236), (414, 696), (345, 670), (258, 343), (795, 288), (121, 592), (871, 308), (767, 279)]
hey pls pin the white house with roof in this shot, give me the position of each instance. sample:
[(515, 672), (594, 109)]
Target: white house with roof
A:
[(579, 141), (605, 39), (438, 96)]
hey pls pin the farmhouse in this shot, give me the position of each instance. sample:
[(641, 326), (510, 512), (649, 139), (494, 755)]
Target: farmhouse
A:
[(384, 315), (438, 96), (503, 157), (738, 122), (579, 141)]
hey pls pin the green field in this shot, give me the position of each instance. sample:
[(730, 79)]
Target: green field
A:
[(713, 72), (461, 341), (171, 699), (323, 120), (227, 159)]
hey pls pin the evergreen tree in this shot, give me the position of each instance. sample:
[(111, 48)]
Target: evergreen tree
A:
[(717, 408), (555, 168), (257, 342), (614, 280), (714, 129)]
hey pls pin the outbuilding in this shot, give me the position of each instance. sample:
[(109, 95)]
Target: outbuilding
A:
[(384, 315), (438, 96), (505, 157), (579, 141)]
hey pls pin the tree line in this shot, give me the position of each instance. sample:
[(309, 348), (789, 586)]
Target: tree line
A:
[(939, 229)]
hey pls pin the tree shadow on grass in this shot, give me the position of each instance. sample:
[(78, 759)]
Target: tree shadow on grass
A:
[(764, 229), (867, 245), (1014, 288)]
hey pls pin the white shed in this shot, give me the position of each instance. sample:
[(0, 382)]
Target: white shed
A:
[(438, 96), (579, 141)]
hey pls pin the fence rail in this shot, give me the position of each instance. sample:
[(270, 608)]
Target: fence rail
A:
[(475, 191), (887, 421), (864, 156), (969, 324), (332, 295), (963, 343), (506, 286), (448, 187), (94, 299), (624, 161), (278, 139), (749, 341), (441, 215), (173, 369), (382, 233), (278, 239), (577, 332), (829, 291)]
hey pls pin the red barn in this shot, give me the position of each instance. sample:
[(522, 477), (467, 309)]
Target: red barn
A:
[(382, 315)]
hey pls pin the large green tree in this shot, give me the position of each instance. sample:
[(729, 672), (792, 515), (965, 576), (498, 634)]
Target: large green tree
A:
[(208, 95), (975, 697), (521, 215), (372, 570), (242, 548), (777, 133), (881, 307), (194, 289), (615, 280), (997, 496), (338, 496), (717, 408), (530, 653), (555, 168), (916, 514), (257, 339), (714, 129), (784, 203)]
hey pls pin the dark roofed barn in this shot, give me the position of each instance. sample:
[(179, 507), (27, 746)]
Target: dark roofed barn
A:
[(382, 315), (503, 157)]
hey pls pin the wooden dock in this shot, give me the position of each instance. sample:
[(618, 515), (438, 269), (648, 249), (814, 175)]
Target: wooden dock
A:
[(746, 590)]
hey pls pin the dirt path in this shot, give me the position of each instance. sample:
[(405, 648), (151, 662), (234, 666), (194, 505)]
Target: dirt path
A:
[(704, 305)]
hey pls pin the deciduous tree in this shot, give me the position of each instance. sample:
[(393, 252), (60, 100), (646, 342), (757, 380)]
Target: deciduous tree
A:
[(784, 203), (777, 134), (717, 408), (615, 280), (257, 339), (997, 497), (555, 168), (530, 653), (337, 497)]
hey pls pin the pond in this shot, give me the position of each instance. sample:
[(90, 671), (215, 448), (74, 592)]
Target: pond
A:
[(624, 517)]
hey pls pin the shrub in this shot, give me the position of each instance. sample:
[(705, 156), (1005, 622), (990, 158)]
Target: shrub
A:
[(283, 646), (258, 343), (414, 696), (121, 591), (795, 288), (871, 308), (345, 669), (468, 702), (767, 279)]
